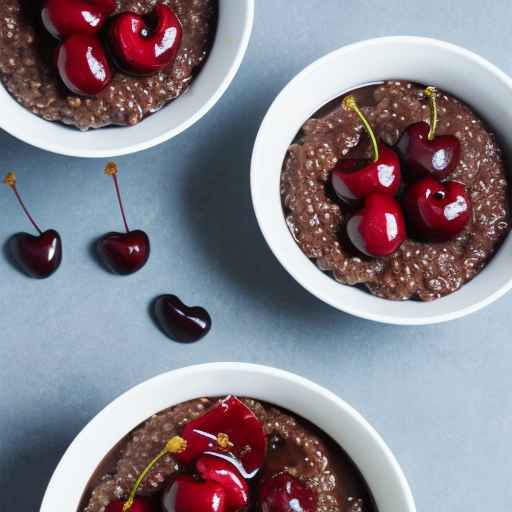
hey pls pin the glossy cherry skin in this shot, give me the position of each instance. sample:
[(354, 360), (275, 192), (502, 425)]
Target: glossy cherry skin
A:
[(285, 493), (37, 256), (188, 495), (141, 49), (218, 470), (140, 504), (180, 322), (124, 253), (232, 417), (353, 180), (83, 65), (378, 229), (63, 18), (436, 158), (437, 212)]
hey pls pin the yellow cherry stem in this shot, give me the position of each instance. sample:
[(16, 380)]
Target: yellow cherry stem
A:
[(431, 93), (10, 181), (175, 445), (351, 103), (111, 169)]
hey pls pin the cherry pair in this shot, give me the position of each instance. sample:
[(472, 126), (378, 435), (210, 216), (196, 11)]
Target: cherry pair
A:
[(140, 45), (435, 212), (40, 256)]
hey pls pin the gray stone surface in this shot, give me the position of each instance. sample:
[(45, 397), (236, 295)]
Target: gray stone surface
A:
[(441, 396)]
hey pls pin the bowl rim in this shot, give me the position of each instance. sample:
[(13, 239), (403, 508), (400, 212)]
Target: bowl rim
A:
[(266, 229), (48, 145), (212, 371)]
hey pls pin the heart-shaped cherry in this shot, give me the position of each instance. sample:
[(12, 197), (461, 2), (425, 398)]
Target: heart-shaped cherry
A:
[(285, 493), (145, 46), (354, 179), (83, 65), (63, 18), (437, 212), (188, 495), (215, 469), (378, 229), (232, 431), (423, 152), (37, 256), (179, 321), (139, 504), (123, 253)]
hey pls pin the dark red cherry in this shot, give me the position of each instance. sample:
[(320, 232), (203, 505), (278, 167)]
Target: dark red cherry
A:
[(352, 180), (83, 65), (437, 212), (422, 157), (123, 253), (188, 495), (181, 322), (235, 423), (37, 256), (63, 18), (378, 229), (215, 469), (285, 493), (140, 504), (145, 46)]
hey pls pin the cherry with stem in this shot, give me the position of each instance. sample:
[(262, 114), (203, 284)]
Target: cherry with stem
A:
[(37, 256), (122, 253)]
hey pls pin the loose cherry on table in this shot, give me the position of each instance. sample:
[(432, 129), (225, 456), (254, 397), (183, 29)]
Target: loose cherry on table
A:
[(123, 253), (423, 152), (285, 493), (218, 470), (142, 47), (378, 229), (437, 212), (63, 18), (83, 65), (180, 322), (186, 494), (37, 256), (354, 179), (230, 431)]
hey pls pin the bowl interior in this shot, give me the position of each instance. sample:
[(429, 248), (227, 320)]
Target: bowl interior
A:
[(331, 414), (233, 31), (460, 72)]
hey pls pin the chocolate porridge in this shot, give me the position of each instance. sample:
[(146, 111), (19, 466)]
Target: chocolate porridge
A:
[(293, 445), (425, 271), (28, 73)]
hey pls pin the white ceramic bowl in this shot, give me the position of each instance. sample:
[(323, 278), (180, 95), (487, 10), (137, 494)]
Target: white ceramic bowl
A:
[(374, 459), (233, 33), (456, 70)]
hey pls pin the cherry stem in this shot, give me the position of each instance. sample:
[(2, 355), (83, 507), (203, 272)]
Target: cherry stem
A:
[(431, 93), (351, 103), (10, 181), (111, 169), (175, 445)]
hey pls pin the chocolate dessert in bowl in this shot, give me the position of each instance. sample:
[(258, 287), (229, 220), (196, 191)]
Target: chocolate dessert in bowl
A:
[(181, 442), (394, 186), (76, 74)]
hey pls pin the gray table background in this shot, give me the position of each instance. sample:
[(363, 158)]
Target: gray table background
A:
[(440, 396)]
